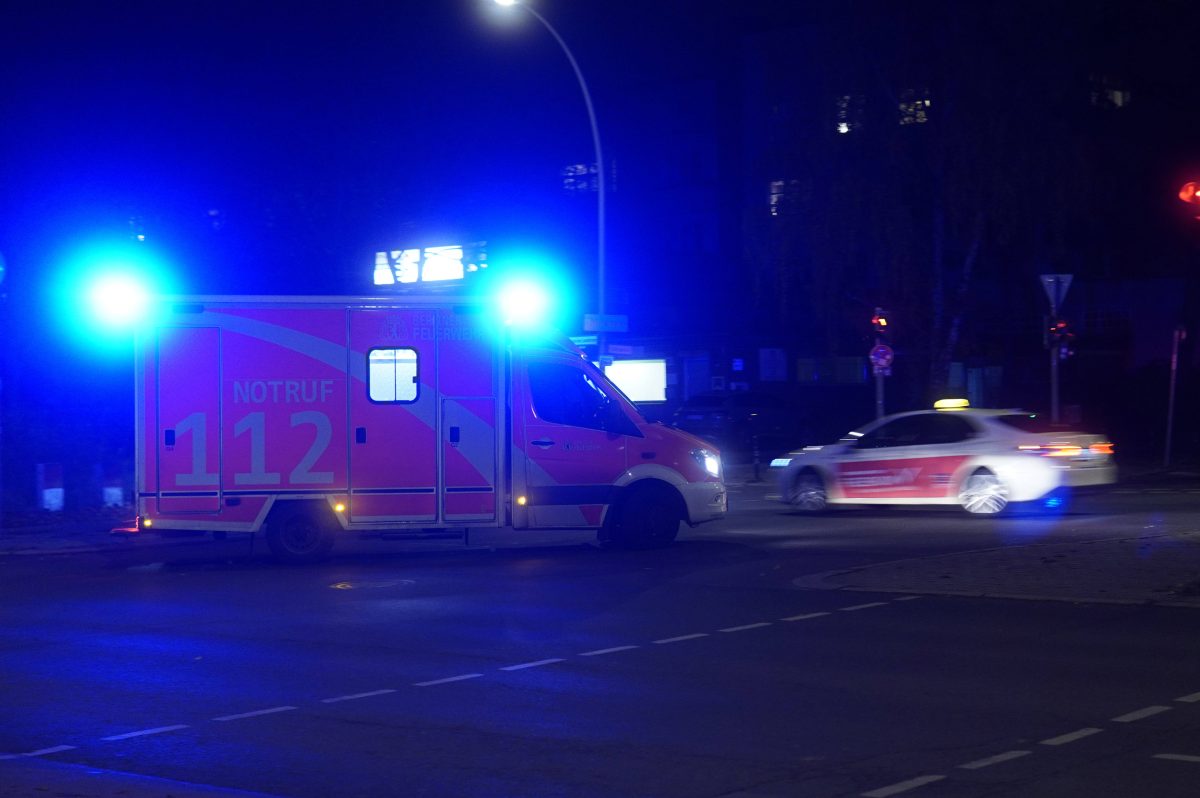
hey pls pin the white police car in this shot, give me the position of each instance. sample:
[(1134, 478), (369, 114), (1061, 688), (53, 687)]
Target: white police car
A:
[(980, 459)]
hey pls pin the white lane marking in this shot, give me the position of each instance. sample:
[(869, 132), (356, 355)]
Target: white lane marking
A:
[(144, 732), (460, 678), (864, 606), (1189, 699), (1007, 756), (600, 651), (42, 751), (1071, 737), (806, 616), (255, 713), (536, 664), (745, 627), (908, 598), (903, 786), (1130, 717), (1178, 757), (681, 638), (356, 696)]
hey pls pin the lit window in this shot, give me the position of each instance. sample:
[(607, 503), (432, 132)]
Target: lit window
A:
[(848, 112), (392, 375), (914, 106), (783, 197), (1109, 93)]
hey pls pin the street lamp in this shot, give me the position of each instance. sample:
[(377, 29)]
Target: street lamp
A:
[(587, 99)]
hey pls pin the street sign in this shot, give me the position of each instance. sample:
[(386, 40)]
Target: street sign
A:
[(605, 322), (1055, 286), (881, 356)]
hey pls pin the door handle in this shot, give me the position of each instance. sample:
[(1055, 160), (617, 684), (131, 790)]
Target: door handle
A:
[(543, 442), (360, 434)]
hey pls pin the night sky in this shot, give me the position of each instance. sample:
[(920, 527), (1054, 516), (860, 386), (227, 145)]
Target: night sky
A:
[(273, 148)]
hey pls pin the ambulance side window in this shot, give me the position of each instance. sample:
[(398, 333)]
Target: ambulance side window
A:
[(564, 394), (392, 375)]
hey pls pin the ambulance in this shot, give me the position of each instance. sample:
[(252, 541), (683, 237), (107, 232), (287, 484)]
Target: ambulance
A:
[(310, 419)]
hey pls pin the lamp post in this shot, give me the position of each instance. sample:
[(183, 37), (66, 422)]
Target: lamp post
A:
[(587, 99)]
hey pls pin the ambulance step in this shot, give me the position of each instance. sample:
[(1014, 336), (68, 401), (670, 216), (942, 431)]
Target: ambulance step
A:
[(446, 535)]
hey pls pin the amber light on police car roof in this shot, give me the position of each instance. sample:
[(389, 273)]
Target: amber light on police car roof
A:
[(951, 404)]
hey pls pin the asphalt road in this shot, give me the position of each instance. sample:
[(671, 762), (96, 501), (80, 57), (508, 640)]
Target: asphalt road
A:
[(705, 669)]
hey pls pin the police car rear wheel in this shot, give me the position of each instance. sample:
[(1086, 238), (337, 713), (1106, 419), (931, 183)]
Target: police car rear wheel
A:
[(983, 493), (808, 493)]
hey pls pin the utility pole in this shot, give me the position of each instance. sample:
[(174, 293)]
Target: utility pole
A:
[(1177, 337)]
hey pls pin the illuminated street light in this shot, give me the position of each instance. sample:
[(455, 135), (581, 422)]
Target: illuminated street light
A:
[(587, 99)]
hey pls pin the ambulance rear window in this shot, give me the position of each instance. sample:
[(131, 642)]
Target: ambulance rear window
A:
[(392, 375)]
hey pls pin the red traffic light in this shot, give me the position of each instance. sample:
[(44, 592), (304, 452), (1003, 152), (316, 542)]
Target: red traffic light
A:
[(1189, 192)]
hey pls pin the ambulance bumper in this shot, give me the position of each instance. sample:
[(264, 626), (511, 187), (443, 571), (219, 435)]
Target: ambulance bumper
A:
[(706, 501)]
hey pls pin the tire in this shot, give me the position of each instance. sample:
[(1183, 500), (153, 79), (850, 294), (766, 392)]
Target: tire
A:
[(648, 517), (301, 534), (983, 493), (808, 493)]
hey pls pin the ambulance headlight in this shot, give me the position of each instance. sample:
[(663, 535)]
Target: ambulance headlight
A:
[(709, 461)]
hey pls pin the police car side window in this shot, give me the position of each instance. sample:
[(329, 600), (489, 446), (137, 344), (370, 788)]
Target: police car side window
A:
[(942, 428), (903, 431)]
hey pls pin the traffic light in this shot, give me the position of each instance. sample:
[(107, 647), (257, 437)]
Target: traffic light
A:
[(1190, 193), (1060, 338), (880, 323)]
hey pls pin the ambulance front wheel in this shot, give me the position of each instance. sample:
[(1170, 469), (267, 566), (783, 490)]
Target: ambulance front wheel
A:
[(300, 534), (648, 517)]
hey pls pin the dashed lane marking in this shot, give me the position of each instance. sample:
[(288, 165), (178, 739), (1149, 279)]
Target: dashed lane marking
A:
[(1189, 699), (745, 627), (681, 638), (1179, 758), (145, 732), (460, 678), (903, 786), (539, 663), (1007, 756), (356, 696), (1071, 737), (255, 713), (893, 790), (612, 650), (1130, 717), (40, 752)]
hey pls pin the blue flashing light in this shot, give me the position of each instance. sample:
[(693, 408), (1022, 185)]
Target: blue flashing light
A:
[(1053, 502), (524, 303), (119, 300), (103, 294)]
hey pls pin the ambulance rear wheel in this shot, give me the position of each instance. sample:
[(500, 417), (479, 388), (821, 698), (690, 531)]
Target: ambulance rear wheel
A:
[(649, 517), (300, 534)]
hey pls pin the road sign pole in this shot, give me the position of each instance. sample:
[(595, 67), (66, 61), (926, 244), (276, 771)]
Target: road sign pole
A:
[(1179, 334), (878, 392), (1055, 286)]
